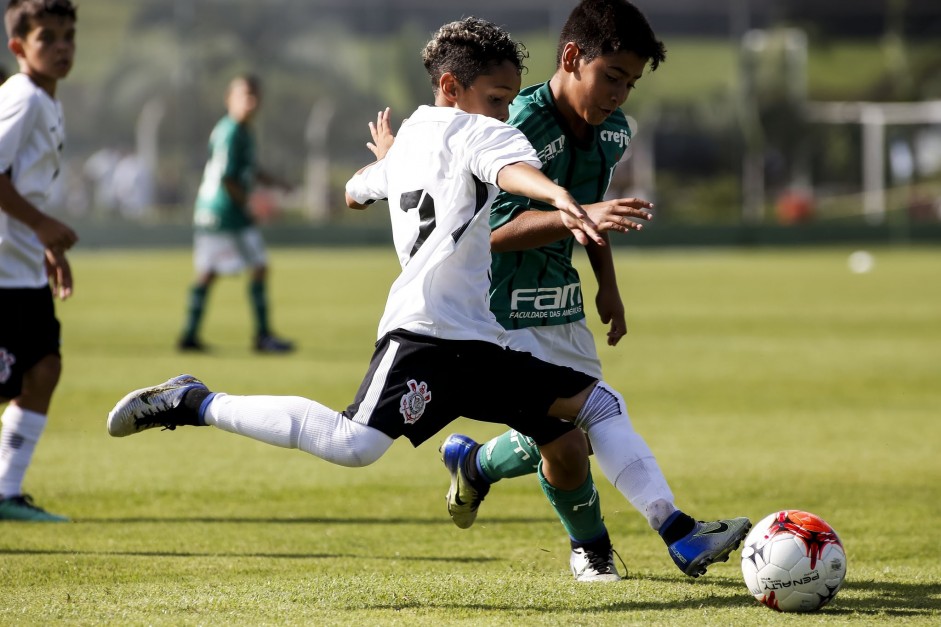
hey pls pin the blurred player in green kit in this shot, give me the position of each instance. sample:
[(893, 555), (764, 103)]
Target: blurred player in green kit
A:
[(226, 239)]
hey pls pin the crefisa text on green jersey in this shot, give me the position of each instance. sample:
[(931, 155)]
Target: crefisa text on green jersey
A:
[(620, 137), (547, 302)]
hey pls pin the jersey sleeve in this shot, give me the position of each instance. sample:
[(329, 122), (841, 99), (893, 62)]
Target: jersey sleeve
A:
[(16, 118), (493, 145), (507, 206), (370, 184)]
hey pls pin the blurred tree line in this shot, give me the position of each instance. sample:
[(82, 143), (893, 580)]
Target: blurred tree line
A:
[(337, 66)]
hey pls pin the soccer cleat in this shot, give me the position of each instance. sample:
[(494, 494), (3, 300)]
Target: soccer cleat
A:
[(463, 497), (21, 507), (156, 406), (594, 564), (272, 344), (707, 543)]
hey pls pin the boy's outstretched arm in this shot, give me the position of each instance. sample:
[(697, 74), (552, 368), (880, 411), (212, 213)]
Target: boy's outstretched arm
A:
[(382, 140), (532, 229), (523, 179), (381, 131)]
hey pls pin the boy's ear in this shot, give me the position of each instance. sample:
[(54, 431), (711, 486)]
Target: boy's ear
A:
[(570, 53), (16, 47), (449, 87)]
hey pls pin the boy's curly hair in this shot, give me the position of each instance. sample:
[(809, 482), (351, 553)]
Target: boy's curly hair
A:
[(601, 27), (468, 48), (20, 14)]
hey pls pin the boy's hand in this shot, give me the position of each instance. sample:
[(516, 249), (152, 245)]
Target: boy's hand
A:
[(577, 220), (59, 273), (54, 234), (611, 310), (382, 137), (613, 215)]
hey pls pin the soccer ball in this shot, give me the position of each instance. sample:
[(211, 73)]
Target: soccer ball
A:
[(793, 561)]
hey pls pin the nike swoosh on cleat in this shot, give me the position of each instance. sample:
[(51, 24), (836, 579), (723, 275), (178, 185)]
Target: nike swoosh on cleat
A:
[(712, 528)]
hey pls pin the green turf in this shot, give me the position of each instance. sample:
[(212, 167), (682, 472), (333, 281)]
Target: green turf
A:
[(763, 380)]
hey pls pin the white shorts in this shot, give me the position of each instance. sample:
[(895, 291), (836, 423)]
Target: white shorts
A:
[(228, 252), (570, 345)]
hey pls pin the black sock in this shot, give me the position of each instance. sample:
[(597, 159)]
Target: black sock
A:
[(189, 406), (678, 526), (601, 544)]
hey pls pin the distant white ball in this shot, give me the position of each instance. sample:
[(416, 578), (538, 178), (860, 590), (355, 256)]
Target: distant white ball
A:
[(861, 262), (793, 561)]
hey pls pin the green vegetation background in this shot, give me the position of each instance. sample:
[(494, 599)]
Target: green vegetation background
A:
[(181, 55), (762, 380)]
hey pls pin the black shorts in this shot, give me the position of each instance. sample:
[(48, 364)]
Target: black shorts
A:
[(416, 385), (29, 331)]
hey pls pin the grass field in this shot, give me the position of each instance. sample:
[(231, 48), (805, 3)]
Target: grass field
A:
[(762, 379)]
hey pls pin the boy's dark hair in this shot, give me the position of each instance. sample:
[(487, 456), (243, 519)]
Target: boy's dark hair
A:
[(468, 48), (601, 27), (20, 14), (251, 80)]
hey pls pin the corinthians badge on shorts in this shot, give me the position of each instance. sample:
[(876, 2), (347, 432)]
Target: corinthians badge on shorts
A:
[(6, 366), (413, 402)]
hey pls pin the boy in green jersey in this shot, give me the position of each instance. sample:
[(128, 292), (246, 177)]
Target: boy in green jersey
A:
[(580, 134), (226, 239)]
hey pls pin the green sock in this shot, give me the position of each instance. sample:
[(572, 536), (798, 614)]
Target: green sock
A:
[(259, 300), (579, 509), (194, 310), (510, 454)]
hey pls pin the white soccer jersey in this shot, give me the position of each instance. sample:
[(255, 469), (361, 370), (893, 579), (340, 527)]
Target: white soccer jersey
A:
[(31, 137), (440, 179)]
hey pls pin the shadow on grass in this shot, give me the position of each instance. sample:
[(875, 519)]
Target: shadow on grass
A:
[(319, 520), (293, 556), (889, 600)]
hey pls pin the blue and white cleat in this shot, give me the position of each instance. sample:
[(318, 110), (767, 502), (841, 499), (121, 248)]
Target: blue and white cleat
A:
[(708, 543), (156, 406), (463, 497)]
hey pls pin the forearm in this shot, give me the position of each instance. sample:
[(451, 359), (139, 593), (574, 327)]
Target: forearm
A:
[(530, 229), (602, 264), (523, 179), (17, 207), (235, 191)]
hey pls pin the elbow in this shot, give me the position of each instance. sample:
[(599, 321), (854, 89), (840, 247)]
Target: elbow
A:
[(352, 204)]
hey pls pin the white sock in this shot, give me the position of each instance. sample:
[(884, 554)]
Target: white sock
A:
[(296, 422), (18, 438), (623, 455)]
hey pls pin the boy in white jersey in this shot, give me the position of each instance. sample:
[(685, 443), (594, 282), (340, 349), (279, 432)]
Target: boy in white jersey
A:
[(575, 125), (440, 349), (32, 244)]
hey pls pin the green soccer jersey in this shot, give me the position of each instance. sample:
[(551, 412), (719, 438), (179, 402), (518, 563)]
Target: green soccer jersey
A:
[(231, 155), (540, 286)]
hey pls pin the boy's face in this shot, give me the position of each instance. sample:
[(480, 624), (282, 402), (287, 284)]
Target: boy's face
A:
[(491, 94), (48, 50), (242, 101), (604, 84)]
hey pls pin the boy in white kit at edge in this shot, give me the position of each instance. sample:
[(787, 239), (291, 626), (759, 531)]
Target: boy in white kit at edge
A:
[(32, 244)]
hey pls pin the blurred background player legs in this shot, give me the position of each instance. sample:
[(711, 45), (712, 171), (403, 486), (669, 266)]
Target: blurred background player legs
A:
[(229, 253)]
